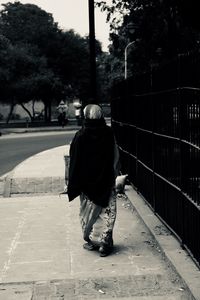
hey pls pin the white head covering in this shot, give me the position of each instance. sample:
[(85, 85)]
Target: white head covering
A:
[(93, 111)]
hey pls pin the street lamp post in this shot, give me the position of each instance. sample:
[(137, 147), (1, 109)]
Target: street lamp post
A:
[(125, 58), (131, 28), (92, 50)]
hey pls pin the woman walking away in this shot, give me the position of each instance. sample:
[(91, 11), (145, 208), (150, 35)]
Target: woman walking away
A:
[(92, 171)]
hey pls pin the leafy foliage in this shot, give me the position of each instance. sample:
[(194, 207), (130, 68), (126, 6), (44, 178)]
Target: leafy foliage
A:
[(39, 61), (162, 29)]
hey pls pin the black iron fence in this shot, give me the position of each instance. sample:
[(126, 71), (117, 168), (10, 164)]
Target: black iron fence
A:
[(156, 119)]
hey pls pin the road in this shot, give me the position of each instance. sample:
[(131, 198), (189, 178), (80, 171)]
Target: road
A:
[(16, 148)]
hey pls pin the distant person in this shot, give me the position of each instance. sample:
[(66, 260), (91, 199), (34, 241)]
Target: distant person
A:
[(62, 109), (93, 168), (62, 121)]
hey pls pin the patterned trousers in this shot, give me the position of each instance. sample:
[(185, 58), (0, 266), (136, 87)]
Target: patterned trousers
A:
[(98, 222)]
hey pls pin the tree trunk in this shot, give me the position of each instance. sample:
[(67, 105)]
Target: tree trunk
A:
[(33, 108), (28, 112), (47, 111), (10, 113)]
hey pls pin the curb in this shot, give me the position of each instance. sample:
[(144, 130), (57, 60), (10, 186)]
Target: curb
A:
[(30, 186), (6, 132), (178, 258), (5, 181), (34, 186)]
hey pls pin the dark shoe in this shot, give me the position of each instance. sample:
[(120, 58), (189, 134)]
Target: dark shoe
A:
[(105, 250), (89, 246)]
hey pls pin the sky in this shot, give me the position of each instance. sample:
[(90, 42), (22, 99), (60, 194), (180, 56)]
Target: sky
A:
[(73, 14)]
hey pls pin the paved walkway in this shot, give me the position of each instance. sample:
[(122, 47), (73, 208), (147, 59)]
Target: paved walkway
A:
[(41, 254), (41, 242)]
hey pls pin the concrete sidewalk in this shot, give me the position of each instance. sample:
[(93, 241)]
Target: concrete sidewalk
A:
[(41, 254)]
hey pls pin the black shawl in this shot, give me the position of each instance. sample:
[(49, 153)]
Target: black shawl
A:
[(91, 169)]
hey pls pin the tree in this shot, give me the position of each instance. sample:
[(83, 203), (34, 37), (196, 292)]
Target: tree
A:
[(72, 63), (109, 70), (5, 49), (117, 9), (23, 76), (162, 28), (30, 30), (44, 61), (27, 23)]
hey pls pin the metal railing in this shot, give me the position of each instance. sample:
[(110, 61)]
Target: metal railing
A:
[(157, 128)]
